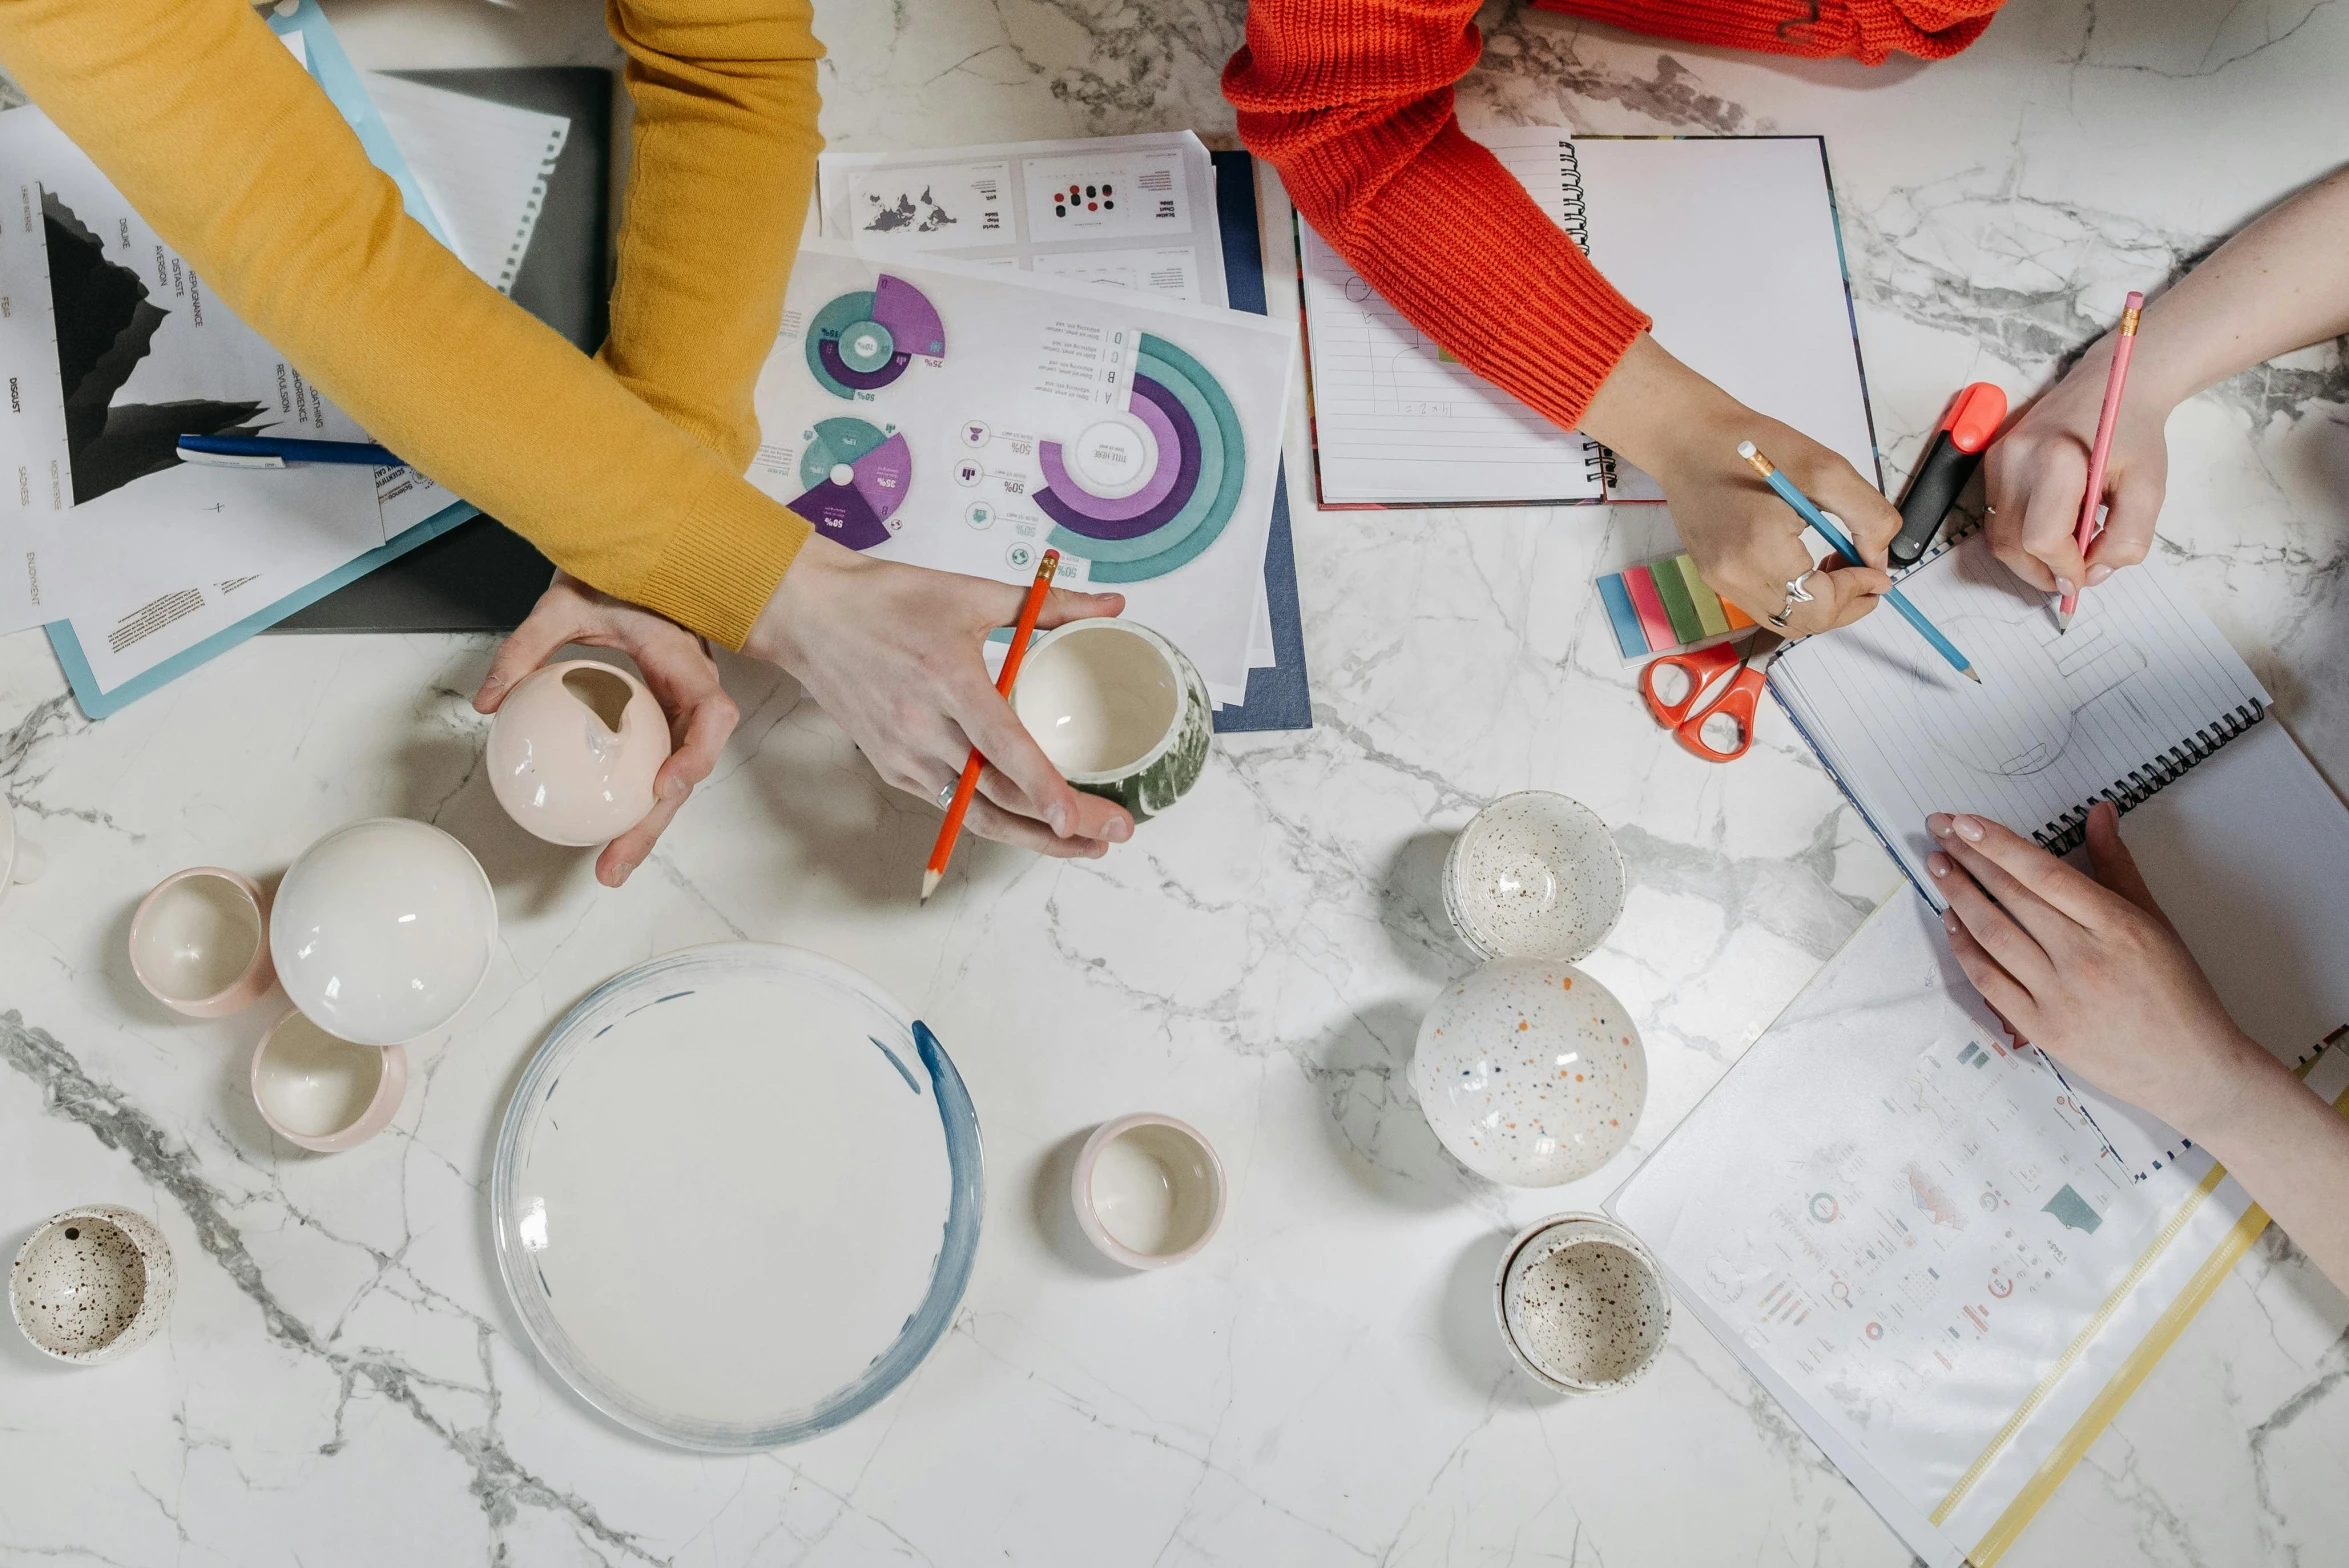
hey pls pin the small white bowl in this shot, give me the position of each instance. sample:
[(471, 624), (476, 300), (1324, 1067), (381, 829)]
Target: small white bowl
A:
[(573, 751), (324, 1093), (1581, 1304), (383, 930), (92, 1284), (1148, 1190), (200, 942), (1534, 875)]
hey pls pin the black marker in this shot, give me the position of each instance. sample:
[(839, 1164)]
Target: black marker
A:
[(1951, 457)]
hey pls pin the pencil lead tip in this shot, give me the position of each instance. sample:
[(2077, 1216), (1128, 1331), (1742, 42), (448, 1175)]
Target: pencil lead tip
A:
[(2063, 622), (1970, 675), (929, 885)]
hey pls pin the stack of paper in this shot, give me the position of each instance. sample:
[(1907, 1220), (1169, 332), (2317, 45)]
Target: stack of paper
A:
[(1133, 214), (138, 561)]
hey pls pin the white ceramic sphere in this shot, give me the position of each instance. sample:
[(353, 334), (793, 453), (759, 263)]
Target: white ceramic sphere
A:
[(573, 751), (383, 930), (1530, 1072)]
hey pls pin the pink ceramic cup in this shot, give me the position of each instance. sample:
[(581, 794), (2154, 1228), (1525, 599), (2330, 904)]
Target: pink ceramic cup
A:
[(1148, 1190), (323, 1093), (200, 942)]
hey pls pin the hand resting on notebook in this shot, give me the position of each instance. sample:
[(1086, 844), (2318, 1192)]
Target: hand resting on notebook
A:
[(2091, 972), (2276, 286), (1684, 431)]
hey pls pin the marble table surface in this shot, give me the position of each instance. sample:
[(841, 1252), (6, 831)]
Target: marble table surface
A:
[(343, 1381)]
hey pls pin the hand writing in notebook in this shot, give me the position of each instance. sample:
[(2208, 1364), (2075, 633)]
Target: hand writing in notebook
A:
[(2274, 287), (1684, 431), (2091, 972)]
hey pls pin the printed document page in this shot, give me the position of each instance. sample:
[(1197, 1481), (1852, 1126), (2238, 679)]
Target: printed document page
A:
[(966, 418), (1126, 212)]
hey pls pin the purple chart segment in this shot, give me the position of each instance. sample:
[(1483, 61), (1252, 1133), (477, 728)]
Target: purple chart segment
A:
[(910, 317)]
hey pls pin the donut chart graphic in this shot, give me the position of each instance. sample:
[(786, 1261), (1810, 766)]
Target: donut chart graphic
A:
[(1190, 459), (863, 341), (856, 476)]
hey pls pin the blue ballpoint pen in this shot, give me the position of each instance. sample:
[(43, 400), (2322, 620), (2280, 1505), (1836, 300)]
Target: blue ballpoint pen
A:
[(277, 451), (1843, 547)]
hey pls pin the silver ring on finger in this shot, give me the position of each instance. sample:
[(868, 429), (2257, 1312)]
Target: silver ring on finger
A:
[(946, 795), (1796, 594)]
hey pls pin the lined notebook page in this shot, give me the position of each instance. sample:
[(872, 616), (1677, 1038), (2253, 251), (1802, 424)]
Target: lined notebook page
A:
[(482, 165), (1395, 422), (2142, 687)]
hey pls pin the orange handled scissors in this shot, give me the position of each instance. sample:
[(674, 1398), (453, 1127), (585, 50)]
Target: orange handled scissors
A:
[(1703, 668)]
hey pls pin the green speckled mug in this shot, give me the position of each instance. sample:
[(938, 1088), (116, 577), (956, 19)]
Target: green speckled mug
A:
[(1119, 710)]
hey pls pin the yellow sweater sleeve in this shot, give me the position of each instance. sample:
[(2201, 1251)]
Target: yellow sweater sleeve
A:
[(220, 139)]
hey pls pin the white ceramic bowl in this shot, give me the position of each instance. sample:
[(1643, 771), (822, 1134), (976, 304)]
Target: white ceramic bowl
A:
[(1148, 1190), (1534, 875), (322, 1093), (200, 942), (1119, 710), (92, 1284), (1581, 1304), (1530, 1072), (383, 930), (573, 751)]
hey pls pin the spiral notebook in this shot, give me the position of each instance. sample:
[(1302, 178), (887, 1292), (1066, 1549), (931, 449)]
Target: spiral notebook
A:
[(2142, 690), (1731, 244)]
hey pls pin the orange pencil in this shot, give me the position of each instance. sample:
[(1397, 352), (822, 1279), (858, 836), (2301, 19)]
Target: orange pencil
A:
[(2116, 377), (951, 829)]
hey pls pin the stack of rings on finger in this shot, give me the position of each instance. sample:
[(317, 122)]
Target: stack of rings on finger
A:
[(946, 795)]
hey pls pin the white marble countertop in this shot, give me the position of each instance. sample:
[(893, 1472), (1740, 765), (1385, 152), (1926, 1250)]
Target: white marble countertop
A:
[(343, 1381)]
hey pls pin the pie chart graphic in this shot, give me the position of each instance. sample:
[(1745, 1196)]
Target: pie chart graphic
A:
[(1141, 496), (856, 476), (863, 341)]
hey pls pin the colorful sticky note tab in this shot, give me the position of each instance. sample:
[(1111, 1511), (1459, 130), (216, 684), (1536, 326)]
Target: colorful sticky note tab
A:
[(1672, 588), (1707, 602), (1738, 619), (1652, 620), (1623, 616)]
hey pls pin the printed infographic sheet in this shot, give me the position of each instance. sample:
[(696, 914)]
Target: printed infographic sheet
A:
[(1129, 212), (1914, 1234), (966, 418)]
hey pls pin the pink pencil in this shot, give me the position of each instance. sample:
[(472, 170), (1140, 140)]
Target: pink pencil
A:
[(2115, 379)]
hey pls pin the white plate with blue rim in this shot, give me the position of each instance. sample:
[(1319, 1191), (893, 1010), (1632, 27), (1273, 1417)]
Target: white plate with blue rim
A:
[(737, 1195)]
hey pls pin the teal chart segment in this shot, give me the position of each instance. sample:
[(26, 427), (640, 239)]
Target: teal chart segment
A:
[(1200, 467)]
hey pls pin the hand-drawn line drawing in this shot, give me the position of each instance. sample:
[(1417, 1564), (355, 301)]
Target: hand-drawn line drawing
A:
[(2021, 653)]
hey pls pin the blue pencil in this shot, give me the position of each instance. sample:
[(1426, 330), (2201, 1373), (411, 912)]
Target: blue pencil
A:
[(1843, 547), (277, 451)]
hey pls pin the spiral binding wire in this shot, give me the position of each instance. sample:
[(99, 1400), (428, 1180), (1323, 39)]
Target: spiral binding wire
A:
[(2139, 785), (511, 268), (1573, 217)]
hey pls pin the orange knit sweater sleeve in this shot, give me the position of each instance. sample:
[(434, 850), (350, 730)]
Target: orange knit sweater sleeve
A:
[(1351, 100), (200, 116)]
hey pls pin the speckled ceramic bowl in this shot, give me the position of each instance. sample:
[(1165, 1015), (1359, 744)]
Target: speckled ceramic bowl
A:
[(1530, 1072), (1581, 1304), (1534, 875), (92, 1284)]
